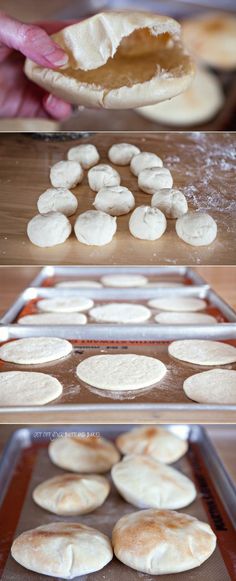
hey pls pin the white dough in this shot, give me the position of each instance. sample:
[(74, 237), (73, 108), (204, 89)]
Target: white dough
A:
[(122, 153), (35, 350), (86, 154), (54, 319), (184, 304), (21, 388), (185, 319), (147, 223), (214, 386), (155, 178), (203, 352), (57, 200), (197, 229), (171, 202), (79, 284), (65, 305), (144, 160), (124, 280), (121, 372), (114, 200), (66, 174), (95, 228), (101, 176), (120, 313), (46, 230)]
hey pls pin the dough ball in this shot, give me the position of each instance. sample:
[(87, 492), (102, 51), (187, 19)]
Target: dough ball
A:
[(171, 202), (66, 174), (72, 494), (95, 228), (124, 280), (203, 352), (79, 284), (101, 176), (62, 550), (185, 319), (22, 388), (121, 372), (53, 319), (65, 305), (114, 200), (184, 304), (168, 541), (120, 313), (147, 483), (83, 454), (214, 386), (122, 153), (35, 350), (196, 229), (143, 161), (86, 154), (57, 200), (153, 441), (46, 230), (147, 223), (155, 178)]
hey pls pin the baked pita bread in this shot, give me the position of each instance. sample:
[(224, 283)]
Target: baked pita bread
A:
[(83, 454), (152, 441)]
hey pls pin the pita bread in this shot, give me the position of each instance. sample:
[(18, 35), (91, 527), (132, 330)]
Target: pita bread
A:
[(88, 454), (118, 60), (167, 541), (72, 494), (214, 386), (62, 550), (147, 483), (158, 443)]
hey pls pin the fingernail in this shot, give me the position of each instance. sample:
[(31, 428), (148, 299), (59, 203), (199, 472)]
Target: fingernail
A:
[(58, 61)]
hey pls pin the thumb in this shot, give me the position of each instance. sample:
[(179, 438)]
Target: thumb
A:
[(32, 41)]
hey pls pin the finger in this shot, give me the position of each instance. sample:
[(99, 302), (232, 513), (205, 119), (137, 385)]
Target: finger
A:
[(51, 27), (32, 41), (57, 108)]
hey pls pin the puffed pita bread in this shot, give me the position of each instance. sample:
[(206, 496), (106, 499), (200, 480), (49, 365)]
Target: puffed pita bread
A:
[(72, 494), (147, 483), (154, 441), (83, 454), (118, 60), (167, 541), (62, 550)]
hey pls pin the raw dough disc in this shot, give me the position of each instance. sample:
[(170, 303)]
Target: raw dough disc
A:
[(202, 352), (184, 304), (169, 541), (158, 443), (65, 305), (57, 200), (90, 454), (35, 350), (121, 372), (185, 319), (86, 154), (122, 153), (147, 483), (62, 550), (79, 284), (22, 388), (124, 280), (120, 313), (53, 319), (214, 386)]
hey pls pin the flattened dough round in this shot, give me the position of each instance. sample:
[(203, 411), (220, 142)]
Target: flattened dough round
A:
[(168, 541), (121, 372), (65, 305), (198, 229), (147, 223), (147, 483), (86, 154), (79, 284), (214, 386), (124, 280), (185, 319), (120, 313), (57, 200), (122, 153), (155, 178), (22, 388), (83, 454), (50, 229), (72, 494), (53, 319), (103, 176), (153, 441), (66, 174), (115, 200), (144, 160), (203, 352), (184, 304), (35, 350), (95, 228), (62, 550)]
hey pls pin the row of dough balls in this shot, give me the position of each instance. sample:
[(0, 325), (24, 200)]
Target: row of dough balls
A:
[(97, 227), (115, 372)]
